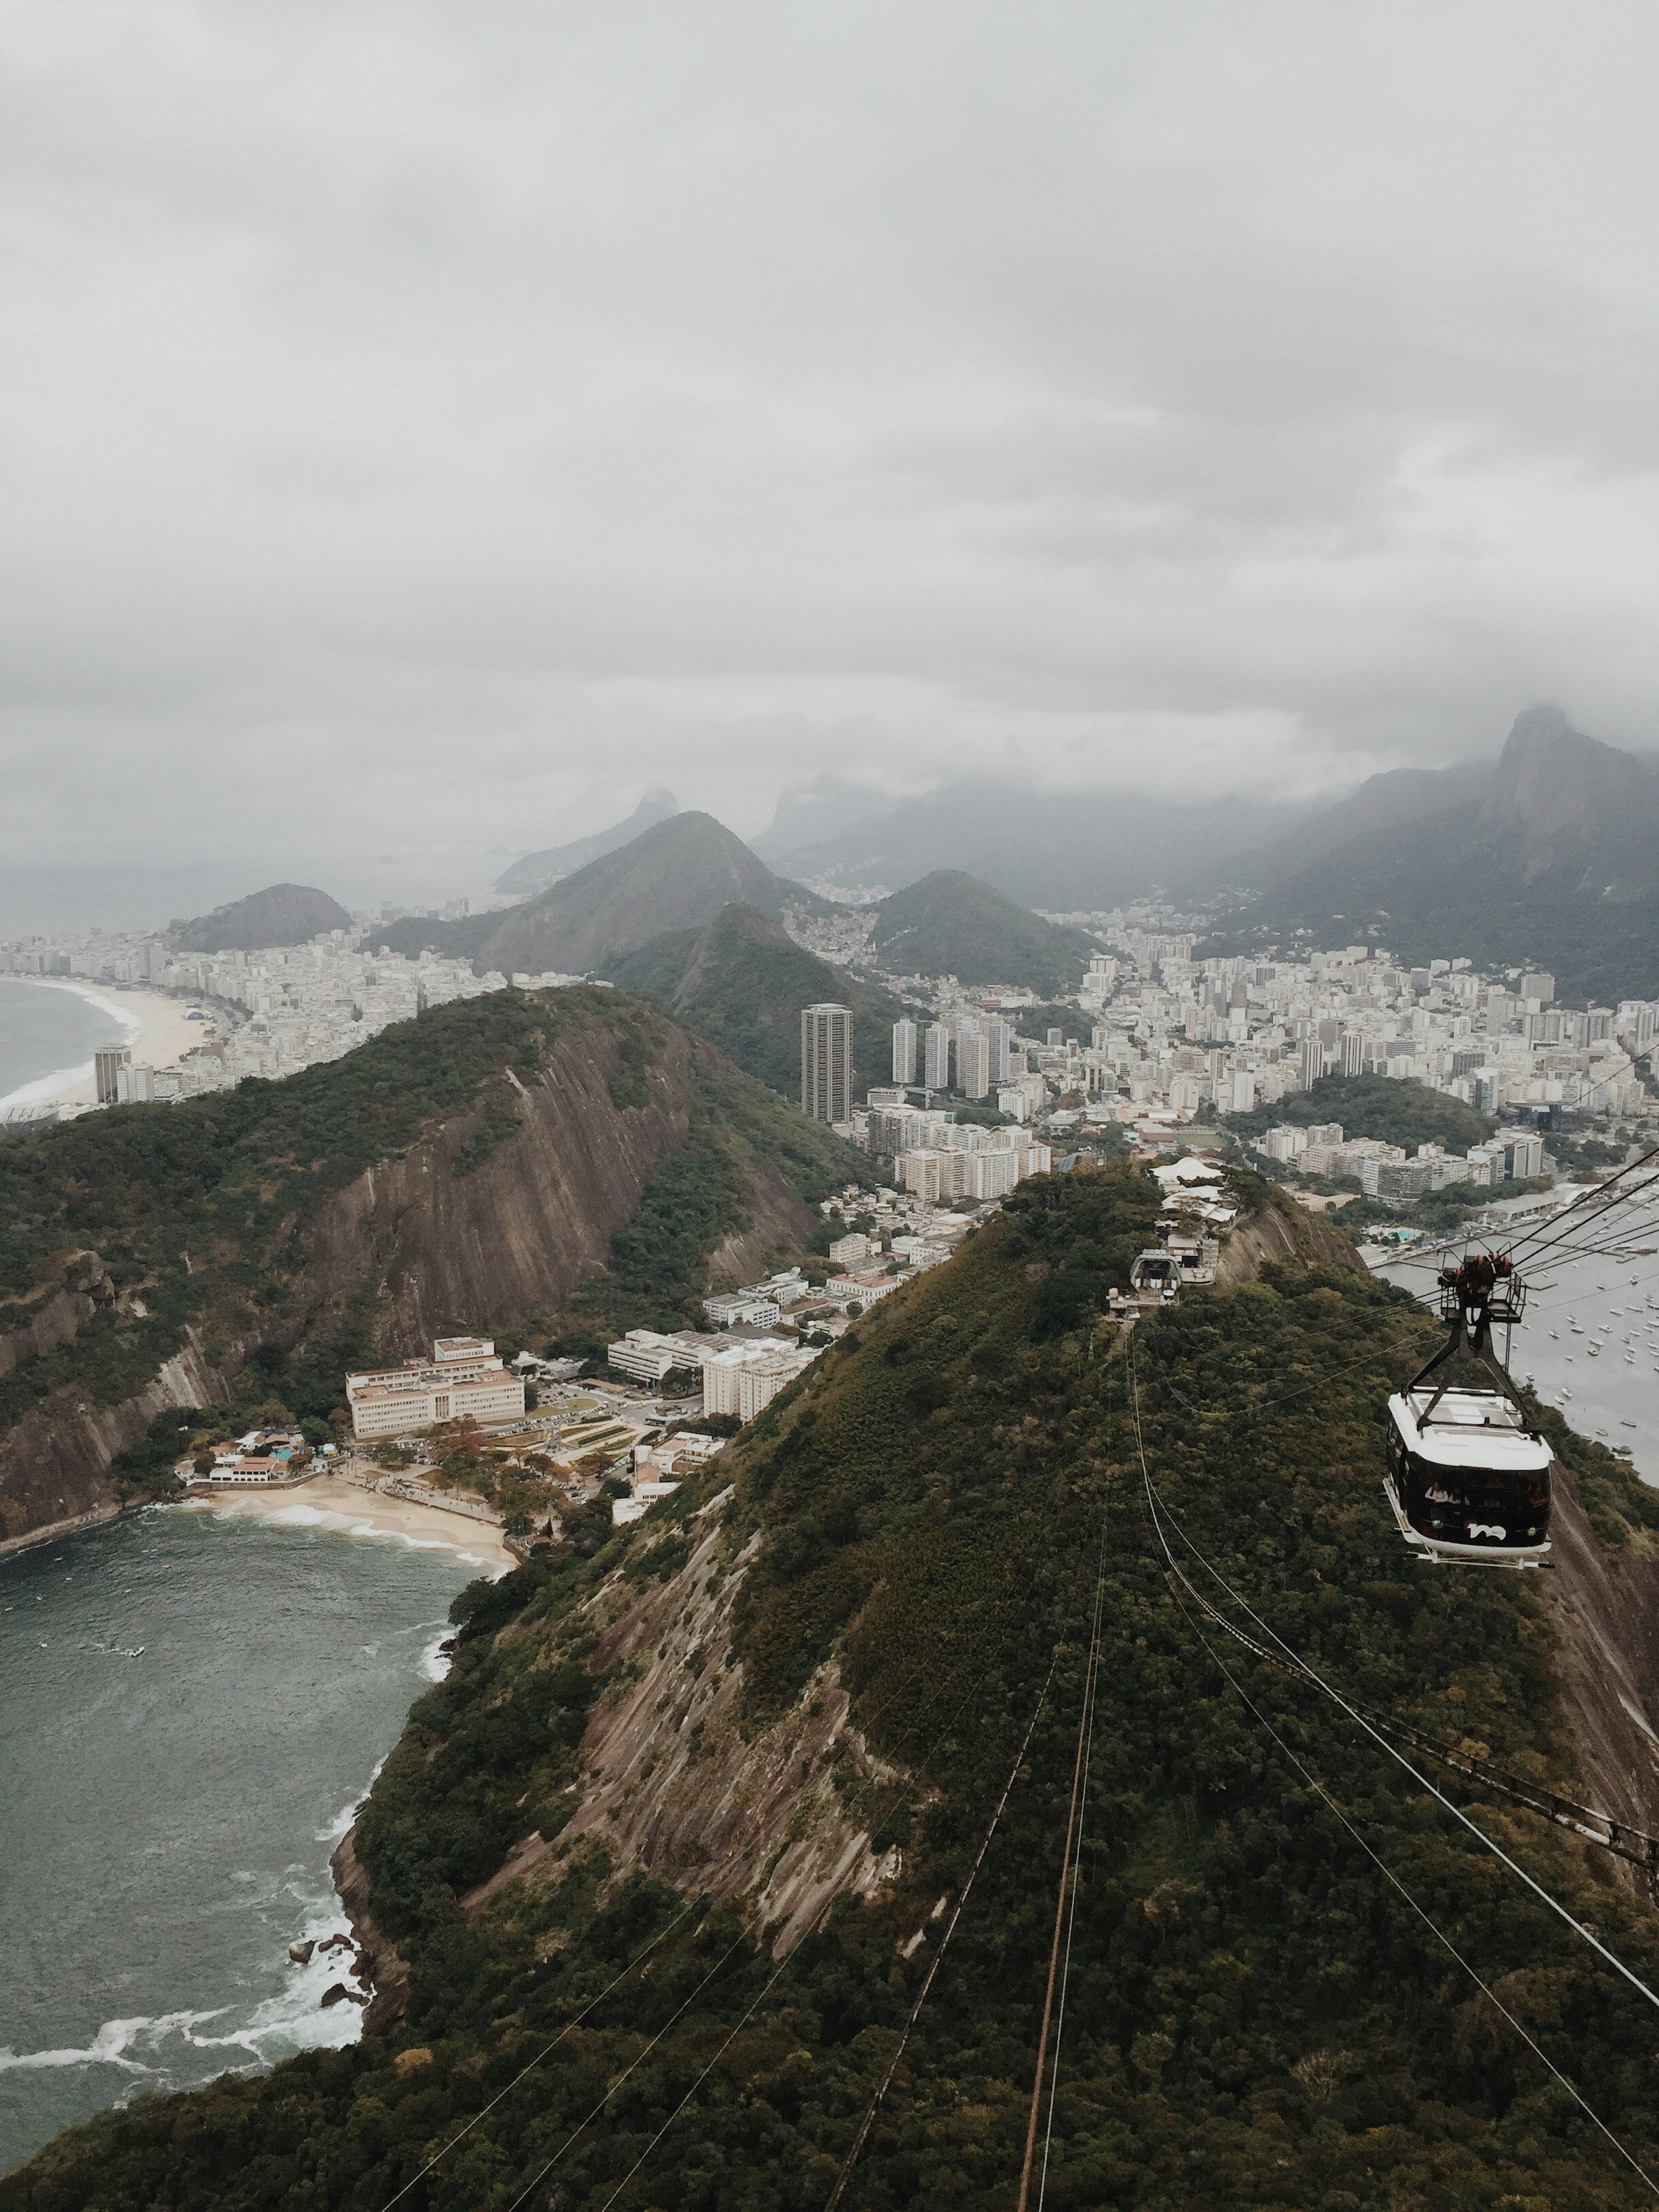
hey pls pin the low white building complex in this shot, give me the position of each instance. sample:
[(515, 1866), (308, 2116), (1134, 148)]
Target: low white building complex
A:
[(463, 1381)]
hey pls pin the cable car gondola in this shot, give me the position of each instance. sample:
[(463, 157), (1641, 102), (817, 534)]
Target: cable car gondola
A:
[(1468, 1473)]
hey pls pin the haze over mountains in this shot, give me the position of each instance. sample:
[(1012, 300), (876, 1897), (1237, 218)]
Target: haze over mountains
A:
[(534, 871), (282, 914), (1548, 855), (1065, 850)]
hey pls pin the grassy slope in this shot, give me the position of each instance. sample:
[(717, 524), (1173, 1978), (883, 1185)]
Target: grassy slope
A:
[(952, 924), (742, 983), (181, 1200), (1255, 2017), (1399, 1112)]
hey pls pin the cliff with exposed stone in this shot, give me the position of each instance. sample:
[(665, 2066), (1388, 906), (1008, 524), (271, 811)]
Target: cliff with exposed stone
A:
[(437, 1245)]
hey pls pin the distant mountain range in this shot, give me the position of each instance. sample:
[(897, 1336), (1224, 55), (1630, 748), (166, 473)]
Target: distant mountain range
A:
[(282, 913), (1062, 850), (1547, 857), (534, 871)]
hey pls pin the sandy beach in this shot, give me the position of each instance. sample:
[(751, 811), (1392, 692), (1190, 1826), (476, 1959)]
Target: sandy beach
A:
[(326, 1502), (153, 1028)]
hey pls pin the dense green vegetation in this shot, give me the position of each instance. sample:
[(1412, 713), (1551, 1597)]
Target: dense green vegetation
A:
[(199, 1209), (742, 983), (1255, 2016), (1395, 1111), (659, 1267), (185, 1203), (952, 924)]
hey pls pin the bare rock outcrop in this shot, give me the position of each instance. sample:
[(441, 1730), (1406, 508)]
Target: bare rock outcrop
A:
[(674, 1787), (1606, 1607), (388, 1970), (442, 1248), (1282, 1231)]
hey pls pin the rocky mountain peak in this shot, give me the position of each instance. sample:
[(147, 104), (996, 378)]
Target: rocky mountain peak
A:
[(1551, 780)]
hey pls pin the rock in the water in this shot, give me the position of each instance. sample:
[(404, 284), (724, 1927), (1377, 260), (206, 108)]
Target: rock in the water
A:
[(337, 1993), (300, 1952)]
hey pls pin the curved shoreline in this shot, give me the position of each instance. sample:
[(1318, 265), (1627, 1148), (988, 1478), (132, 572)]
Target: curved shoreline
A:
[(157, 1035), (326, 1501)]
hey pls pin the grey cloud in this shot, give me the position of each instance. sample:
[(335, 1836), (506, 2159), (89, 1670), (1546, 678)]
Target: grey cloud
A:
[(474, 417)]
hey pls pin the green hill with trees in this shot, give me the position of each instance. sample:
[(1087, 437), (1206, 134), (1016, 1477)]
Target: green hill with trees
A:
[(1396, 1111), (1258, 2007), (209, 1214), (951, 924), (742, 983)]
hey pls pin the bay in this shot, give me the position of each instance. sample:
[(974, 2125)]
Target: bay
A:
[(46, 1031), (190, 1708)]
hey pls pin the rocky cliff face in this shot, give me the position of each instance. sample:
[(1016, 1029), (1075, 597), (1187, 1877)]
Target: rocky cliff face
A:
[(674, 1786), (439, 1244), (1606, 1615)]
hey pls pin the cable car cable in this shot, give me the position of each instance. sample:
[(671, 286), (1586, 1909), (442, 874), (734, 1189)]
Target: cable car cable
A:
[(852, 2157), (1067, 1884), (576, 2019), (1579, 1929), (1387, 1872), (741, 1938)]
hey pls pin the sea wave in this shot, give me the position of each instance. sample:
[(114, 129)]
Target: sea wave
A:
[(47, 1087), (293, 2019)]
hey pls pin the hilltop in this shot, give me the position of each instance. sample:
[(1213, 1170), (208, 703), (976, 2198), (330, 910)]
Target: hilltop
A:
[(1547, 858), (282, 914), (790, 1700), (534, 871), (1398, 1111), (675, 877), (518, 1163), (950, 923), (742, 983)]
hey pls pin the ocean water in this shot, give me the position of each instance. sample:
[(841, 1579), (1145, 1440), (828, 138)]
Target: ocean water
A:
[(1612, 1394), (189, 1709), (47, 1031)]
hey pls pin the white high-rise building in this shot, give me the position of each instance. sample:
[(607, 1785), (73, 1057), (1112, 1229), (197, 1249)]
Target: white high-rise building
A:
[(973, 1065), (826, 1062), (1000, 1035), (905, 1052), (936, 1073)]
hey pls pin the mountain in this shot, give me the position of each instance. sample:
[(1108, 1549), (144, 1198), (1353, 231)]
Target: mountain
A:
[(1547, 858), (548, 1163), (723, 1866), (534, 871), (675, 876), (951, 924), (742, 983), (1062, 850), (282, 913)]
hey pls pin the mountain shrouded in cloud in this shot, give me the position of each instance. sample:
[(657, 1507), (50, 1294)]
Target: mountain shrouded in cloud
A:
[(1547, 856), (534, 871)]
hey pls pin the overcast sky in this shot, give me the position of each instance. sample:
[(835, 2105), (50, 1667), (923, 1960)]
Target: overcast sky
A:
[(426, 426)]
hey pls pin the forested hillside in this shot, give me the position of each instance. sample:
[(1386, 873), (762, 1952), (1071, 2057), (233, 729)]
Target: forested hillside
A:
[(525, 1161), (1397, 1111), (742, 983), (1256, 2011), (951, 924)]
